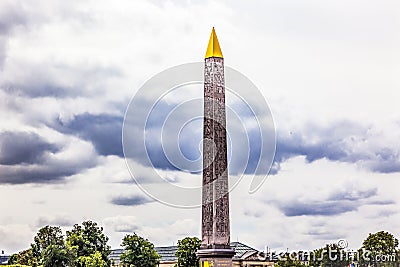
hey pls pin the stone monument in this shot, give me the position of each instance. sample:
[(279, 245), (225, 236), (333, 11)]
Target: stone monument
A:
[(215, 249)]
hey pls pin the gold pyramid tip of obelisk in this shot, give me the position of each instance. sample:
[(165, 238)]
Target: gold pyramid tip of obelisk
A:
[(213, 49)]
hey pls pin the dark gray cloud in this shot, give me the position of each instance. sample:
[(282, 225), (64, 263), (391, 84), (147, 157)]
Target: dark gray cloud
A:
[(130, 200), (388, 161), (173, 135), (23, 147), (27, 174), (342, 141), (28, 158), (317, 143), (59, 80), (297, 208), (346, 200), (154, 129), (151, 131), (353, 195), (103, 130), (47, 172), (11, 16), (381, 202)]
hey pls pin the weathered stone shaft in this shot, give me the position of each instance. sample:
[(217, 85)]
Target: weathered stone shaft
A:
[(215, 199)]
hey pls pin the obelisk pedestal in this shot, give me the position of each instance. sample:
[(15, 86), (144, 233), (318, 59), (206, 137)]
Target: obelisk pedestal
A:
[(215, 257), (215, 249)]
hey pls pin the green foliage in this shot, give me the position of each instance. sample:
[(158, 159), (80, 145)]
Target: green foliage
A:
[(94, 260), (13, 259), (57, 256), (186, 252), (85, 246), (48, 249), (25, 257), (16, 265), (139, 252), (289, 260), (48, 246), (378, 245), (316, 257), (330, 256), (47, 236), (86, 240)]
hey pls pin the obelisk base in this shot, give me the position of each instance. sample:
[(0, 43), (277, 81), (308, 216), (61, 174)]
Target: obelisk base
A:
[(215, 257)]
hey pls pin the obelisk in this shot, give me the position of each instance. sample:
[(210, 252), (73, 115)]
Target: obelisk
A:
[(215, 249)]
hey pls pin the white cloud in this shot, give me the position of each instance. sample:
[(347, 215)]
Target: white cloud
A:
[(124, 224), (61, 219), (358, 200), (15, 237)]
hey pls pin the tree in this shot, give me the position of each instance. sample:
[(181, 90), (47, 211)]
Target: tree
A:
[(13, 259), (139, 252), (316, 258), (46, 236), (186, 252), (289, 260), (94, 260), (379, 249), (24, 257), (330, 256), (57, 256), (86, 240)]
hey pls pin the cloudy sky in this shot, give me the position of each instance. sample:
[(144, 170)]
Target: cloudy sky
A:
[(328, 70)]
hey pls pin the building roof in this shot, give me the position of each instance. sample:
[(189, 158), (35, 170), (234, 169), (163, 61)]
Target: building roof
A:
[(3, 259), (240, 249), (115, 255), (168, 253)]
